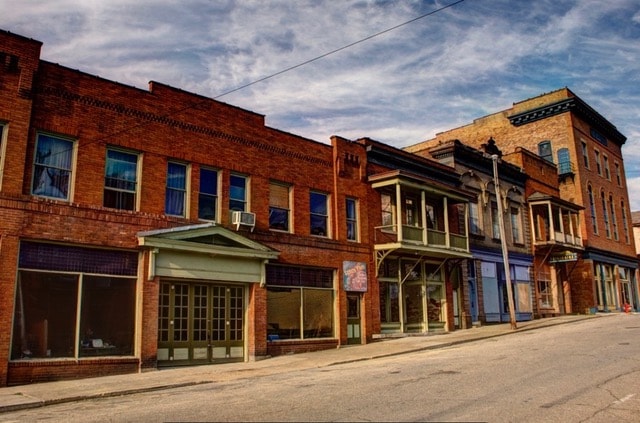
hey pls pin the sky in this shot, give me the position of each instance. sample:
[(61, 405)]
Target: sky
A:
[(353, 67)]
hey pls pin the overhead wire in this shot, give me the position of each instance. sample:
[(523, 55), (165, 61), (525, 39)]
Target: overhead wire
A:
[(273, 75)]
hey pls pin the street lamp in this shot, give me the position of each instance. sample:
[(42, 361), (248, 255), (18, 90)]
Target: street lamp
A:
[(503, 242)]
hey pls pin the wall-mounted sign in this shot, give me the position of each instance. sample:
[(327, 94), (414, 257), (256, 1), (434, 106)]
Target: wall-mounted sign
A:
[(563, 257), (355, 276)]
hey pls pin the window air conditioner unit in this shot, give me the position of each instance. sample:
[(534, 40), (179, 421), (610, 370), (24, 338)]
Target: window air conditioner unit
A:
[(240, 218)]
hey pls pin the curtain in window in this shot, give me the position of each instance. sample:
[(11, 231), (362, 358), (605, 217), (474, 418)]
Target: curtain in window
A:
[(52, 168), (176, 189)]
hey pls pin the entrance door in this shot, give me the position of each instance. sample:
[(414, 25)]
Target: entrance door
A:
[(200, 324), (353, 319), (414, 307)]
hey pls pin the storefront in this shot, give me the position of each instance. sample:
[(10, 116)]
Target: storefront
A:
[(206, 276)]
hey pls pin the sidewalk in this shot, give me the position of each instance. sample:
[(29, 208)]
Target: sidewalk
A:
[(42, 394)]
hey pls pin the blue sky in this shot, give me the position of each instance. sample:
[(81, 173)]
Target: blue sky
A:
[(442, 71)]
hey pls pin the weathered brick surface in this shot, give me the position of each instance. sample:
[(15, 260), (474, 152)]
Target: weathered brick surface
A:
[(162, 124)]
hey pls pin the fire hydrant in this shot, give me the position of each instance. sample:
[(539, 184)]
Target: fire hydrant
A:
[(627, 308)]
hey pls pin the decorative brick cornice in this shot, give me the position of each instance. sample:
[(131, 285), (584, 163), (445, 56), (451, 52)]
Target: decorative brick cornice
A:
[(575, 105), (175, 123)]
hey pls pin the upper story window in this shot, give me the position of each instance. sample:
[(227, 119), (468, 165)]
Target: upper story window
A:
[(319, 213), (598, 165), (544, 151), (614, 221), (411, 212), (52, 169), (475, 225), (351, 212), (564, 161), (121, 180), (432, 217), (495, 221), (585, 154), (238, 187), (598, 136), (3, 143), (176, 190), (625, 222), (208, 194), (618, 174), (387, 209), (516, 225), (607, 172), (279, 208), (605, 214), (592, 209)]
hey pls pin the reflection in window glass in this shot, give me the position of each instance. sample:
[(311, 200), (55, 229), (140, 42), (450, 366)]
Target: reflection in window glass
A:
[(46, 309), (176, 189), (319, 212), (52, 167), (208, 196), (120, 180), (238, 193)]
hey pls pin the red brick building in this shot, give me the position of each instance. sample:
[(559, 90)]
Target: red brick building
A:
[(150, 228), (586, 151)]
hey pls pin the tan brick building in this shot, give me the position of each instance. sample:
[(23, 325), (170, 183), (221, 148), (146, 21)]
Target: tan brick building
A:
[(596, 267)]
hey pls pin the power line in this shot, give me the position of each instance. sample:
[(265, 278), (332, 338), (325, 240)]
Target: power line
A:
[(322, 56), (306, 62)]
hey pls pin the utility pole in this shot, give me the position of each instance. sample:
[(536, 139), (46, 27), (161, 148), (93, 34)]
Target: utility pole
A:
[(503, 242)]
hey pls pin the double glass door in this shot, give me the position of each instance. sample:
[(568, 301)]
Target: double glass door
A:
[(200, 323)]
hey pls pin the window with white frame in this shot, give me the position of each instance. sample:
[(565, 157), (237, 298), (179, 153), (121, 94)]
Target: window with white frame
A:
[(121, 180), (52, 169), (238, 192), (319, 213), (279, 208), (516, 225), (351, 212), (176, 190), (208, 194)]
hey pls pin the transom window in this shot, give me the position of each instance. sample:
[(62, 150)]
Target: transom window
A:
[(121, 180), (176, 192), (52, 167), (208, 194), (352, 219), (319, 213), (238, 192), (279, 209)]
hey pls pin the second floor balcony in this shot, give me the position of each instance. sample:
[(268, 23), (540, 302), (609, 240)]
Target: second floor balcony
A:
[(555, 222), (420, 216)]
